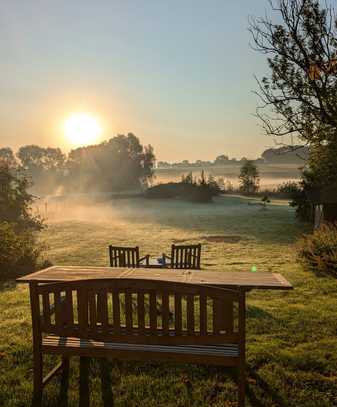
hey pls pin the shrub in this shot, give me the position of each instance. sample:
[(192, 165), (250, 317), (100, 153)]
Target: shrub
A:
[(318, 251), (19, 252)]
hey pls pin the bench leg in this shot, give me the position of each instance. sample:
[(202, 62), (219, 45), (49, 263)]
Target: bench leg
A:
[(106, 385), (84, 381), (38, 378), (63, 396), (242, 386)]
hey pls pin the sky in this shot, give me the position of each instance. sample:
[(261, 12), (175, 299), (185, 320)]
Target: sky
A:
[(177, 74)]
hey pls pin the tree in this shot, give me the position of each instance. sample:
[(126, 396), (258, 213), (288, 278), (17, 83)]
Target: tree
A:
[(221, 159), (19, 251), (7, 157), (44, 165), (15, 201), (299, 96), (249, 178), (295, 102), (119, 164)]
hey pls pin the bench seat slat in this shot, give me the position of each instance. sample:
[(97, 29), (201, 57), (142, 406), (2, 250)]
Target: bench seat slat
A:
[(228, 350)]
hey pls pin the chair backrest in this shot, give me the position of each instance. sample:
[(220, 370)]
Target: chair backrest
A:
[(124, 256), (138, 311), (185, 257)]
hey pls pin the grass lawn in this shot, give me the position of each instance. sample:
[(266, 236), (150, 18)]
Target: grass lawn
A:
[(291, 336)]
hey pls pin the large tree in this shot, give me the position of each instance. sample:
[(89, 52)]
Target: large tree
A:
[(299, 93), (7, 157), (119, 164), (45, 166)]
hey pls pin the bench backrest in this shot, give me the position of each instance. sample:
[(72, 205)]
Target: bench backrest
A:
[(138, 311), (124, 256), (185, 257)]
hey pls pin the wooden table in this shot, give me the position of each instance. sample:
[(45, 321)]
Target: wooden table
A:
[(243, 280)]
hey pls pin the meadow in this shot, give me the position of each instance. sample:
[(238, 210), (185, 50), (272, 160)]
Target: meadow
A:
[(291, 336)]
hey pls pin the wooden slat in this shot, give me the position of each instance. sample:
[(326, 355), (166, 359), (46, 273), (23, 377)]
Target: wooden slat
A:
[(69, 307), (46, 309), (178, 313), (203, 315), (217, 317), (102, 307), (190, 314), (92, 309), (82, 303), (128, 310), (165, 312), (228, 320), (153, 311), (58, 308), (141, 311), (116, 311)]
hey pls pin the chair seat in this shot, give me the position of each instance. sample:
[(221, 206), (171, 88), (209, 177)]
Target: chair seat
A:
[(195, 353)]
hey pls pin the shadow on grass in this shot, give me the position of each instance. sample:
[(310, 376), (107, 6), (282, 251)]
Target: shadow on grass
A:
[(7, 285), (258, 313), (264, 386)]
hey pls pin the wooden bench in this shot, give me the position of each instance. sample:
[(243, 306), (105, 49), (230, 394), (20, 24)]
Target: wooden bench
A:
[(131, 319)]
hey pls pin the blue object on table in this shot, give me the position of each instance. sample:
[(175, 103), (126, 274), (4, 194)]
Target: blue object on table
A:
[(161, 261)]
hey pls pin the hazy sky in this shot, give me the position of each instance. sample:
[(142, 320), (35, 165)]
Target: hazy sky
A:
[(178, 74)]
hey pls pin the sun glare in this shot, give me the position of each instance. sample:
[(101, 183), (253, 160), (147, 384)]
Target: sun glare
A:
[(82, 129)]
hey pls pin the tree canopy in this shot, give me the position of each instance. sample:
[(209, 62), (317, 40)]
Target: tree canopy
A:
[(303, 40)]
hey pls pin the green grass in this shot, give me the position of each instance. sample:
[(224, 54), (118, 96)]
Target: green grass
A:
[(291, 336)]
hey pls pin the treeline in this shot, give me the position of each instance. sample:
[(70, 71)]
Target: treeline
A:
[(281, 155), (119, 164)]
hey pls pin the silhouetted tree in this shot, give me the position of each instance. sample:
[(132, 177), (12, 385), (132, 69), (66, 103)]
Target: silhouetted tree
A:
[(119, 164), (15, 201), (45, 166), (7, 157), (249, 178), (299, 96)]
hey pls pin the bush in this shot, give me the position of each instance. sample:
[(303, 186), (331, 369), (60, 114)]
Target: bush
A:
[(318, 251), (19, 252)]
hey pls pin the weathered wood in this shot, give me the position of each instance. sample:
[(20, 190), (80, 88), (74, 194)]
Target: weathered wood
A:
[(185, 256), (126, 257), (141, 312), (243, 280), (116, 311), (93, 336)]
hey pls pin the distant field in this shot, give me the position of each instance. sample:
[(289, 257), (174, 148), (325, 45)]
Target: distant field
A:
[(271, 175), (291, 344)]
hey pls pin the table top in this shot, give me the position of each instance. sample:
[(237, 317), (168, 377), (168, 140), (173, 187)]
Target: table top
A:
[(245, 280)]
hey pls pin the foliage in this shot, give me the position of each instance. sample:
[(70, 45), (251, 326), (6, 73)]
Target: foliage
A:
[(318, 251), (249, 178), (15, 201), (301, 88), (119, 164), (288, 188), (7, 157), (190, 189), (45, 166), (19, 252), (302, 41)]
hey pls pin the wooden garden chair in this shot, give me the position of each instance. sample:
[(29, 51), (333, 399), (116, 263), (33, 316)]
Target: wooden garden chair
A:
[(184, 257), (127, 257)]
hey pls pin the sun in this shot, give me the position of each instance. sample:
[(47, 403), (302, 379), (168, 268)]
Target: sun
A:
[(82, 129)]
